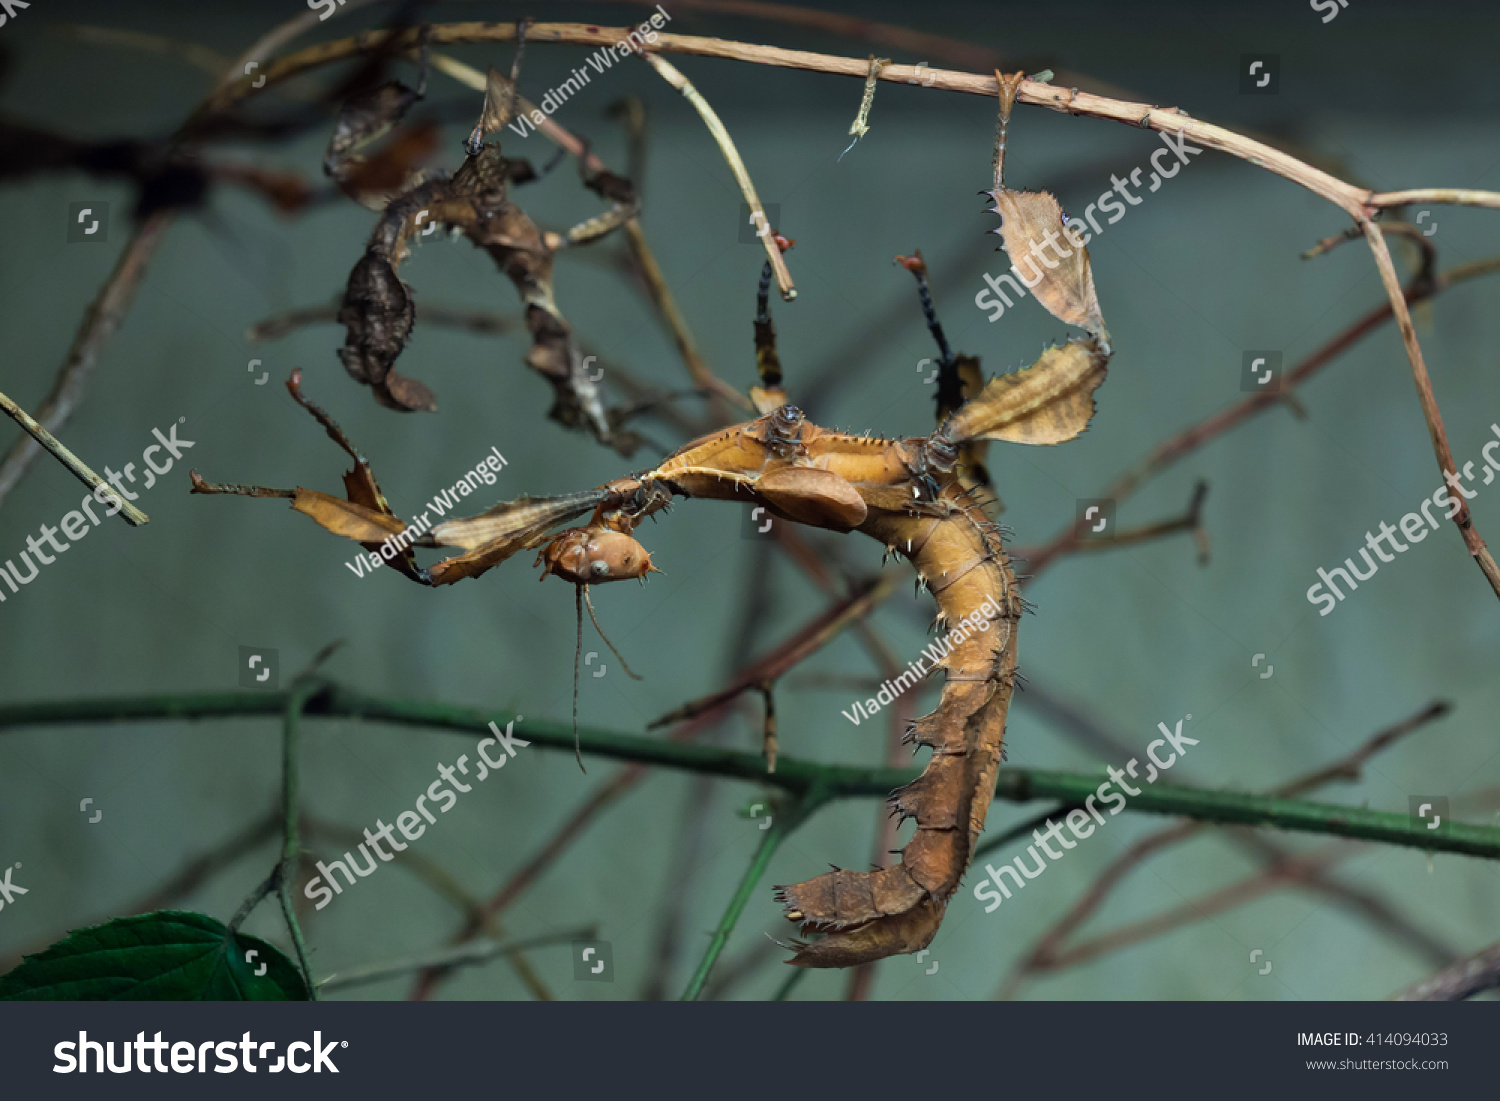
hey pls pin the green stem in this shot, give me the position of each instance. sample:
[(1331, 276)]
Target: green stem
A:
[(1021, 829), (785, 819), (784, 991), (291, 845), (795, 776)]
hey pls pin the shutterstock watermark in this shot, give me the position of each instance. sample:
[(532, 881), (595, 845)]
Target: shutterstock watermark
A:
[(1414, 526), (324, 8), (74, 1056), (1079, 822), (74, 525), (9, 890), (1073, 228), (9, 11), (410, 822)]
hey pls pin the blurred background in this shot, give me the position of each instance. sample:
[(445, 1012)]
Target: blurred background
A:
[(1201, 272)]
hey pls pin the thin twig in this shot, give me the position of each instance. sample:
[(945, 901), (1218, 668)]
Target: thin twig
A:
[(666, 307), (600, 798), (1354, 200), (661, 295), (1297, 869), (1458, 196), (1309, 871), (1428, 399), (100, 321), (79, 469), (464, 955), (1174, 449), (790, 816), (1048, 947), (278, 37), (447, 887), (1190, 521), (1416, 236), (114, 299), (1464, 979), (252, 900), (807, 641), (291, 847), (764, 229), (200, 57)]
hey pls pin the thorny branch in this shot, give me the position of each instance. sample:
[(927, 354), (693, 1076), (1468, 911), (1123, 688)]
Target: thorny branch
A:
[(1464, 979), (793, 775)]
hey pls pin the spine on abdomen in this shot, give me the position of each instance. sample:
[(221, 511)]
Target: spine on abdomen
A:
[(871, 915)]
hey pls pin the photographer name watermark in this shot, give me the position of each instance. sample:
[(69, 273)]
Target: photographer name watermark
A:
[(979, 620), (600, 60), (440, 504)]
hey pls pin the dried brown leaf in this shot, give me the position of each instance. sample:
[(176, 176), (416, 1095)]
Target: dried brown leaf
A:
[(499, 102), (1048, 402), (364, 119), (1037, 241), (378, 315), (363, 525)]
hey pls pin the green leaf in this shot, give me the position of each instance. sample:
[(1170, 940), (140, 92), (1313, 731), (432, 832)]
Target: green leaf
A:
[(169, 955)]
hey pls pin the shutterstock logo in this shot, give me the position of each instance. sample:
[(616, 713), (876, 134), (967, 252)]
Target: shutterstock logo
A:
[(9, 890), (9, 11)]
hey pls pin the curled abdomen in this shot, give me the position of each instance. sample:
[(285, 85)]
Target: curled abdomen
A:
[(871, 915)]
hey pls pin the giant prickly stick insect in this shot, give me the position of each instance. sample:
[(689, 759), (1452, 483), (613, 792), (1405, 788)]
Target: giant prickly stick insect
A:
[(914, 495)]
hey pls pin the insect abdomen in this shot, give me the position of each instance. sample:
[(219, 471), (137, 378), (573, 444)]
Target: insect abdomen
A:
[(871, 915)]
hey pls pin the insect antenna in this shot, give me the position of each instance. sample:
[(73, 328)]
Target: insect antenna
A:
[(577, 654), (584, 590)]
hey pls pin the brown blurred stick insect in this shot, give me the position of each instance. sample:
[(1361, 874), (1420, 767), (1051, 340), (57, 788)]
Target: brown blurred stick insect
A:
[(475, 202), (921, 497)]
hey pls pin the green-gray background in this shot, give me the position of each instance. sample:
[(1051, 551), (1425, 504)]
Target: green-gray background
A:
[(1202, 270)]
